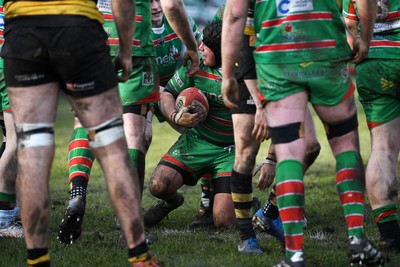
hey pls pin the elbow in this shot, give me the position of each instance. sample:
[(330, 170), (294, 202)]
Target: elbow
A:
[(171, 6)]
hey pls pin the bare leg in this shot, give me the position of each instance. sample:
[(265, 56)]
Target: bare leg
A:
[(246, 149), (135, 132), (120, 174), (290, 112), (382, 182), (381, 171), (34, 162), (8, 162), (223, 212), (9, 226), (164, 184), (349, 178)]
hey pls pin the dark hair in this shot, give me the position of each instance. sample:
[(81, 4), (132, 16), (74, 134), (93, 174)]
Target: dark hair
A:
[(212, 39)]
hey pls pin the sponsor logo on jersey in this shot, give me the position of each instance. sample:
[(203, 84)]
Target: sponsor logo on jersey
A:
[(178, 80), (170, 58), (386, 26), (304, 65), (383, 10), (286, 7), (290, 34), (108, 30), (213, 97), (270, 84), (104, 6), (386, 84), (307, 75)]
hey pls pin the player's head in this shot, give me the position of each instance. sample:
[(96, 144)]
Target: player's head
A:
[(157, 14), (212, 40)]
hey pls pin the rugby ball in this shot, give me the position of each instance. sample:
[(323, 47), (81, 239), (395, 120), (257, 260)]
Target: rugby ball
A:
[(192, 98)]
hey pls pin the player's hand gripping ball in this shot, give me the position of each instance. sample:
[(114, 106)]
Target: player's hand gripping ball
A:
[(192, 100)]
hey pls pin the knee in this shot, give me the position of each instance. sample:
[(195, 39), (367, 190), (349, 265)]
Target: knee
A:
[(245, 161), (164, 182), (223, 212), (221, 221), (158, 186)]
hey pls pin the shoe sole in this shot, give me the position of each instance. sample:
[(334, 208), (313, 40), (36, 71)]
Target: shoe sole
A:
[(70, 228)]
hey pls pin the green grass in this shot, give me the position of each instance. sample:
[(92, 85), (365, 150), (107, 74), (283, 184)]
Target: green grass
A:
[(325, 238)]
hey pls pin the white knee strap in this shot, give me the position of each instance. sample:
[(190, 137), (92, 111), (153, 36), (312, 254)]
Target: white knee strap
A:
[(35, 134), (105, 133)]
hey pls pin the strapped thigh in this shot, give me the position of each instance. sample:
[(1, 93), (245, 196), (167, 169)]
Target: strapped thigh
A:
[(337, 129), (286, 133)]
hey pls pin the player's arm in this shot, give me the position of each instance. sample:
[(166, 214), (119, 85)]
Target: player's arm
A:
[(267, 168), (352, 26), (175, 12), (232, 34), (352, 31), (124, 18), (260, 129), (351, 20), (366, 14)]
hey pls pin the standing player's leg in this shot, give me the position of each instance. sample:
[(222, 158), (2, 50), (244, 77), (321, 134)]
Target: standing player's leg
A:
[(10, 225), (341, 126), (286, 118), (382, 183), (107, 141), (382, 110), (246, 146), (249, 108), (80, 161), (34, 120), (267, 218), (141, 89), (135, 124)]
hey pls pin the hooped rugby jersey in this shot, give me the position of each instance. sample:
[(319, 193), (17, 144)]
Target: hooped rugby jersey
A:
[(142, 45), (385, 42), (249, 26), (85, 8), (299, 31), (169, 49), (217, 128)]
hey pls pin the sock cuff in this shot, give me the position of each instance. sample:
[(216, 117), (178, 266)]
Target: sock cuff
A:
[(38, 257), (8, 197), (349, 159), (138, 253), (289, 170), (385, 214)]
